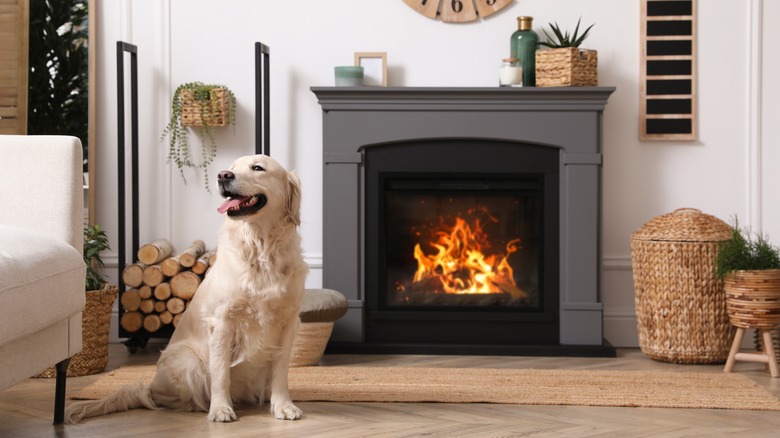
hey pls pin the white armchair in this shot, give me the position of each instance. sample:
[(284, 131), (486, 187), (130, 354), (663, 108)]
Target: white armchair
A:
[(42, 270)]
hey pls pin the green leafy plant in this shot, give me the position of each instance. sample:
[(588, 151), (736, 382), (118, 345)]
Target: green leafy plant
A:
[(58, 79), (95, 242), (746, 251), (205, 97), (562, 39)]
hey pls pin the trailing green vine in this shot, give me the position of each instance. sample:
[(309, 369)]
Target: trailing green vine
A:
[(210, 116)]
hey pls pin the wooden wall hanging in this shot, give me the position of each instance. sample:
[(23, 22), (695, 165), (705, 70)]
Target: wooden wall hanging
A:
[(668, 70)]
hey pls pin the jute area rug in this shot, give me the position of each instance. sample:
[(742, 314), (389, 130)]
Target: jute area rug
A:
[(507, 386)]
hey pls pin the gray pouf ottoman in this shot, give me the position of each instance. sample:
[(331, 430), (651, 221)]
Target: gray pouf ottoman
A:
[(319, 310)]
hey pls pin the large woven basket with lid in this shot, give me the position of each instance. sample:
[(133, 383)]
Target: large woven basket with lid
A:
[(680, 304)]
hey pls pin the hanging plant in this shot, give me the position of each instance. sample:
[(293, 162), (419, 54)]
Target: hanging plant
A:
[(200, 106)]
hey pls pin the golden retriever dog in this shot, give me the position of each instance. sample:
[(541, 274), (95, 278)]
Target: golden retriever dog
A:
[(233, 343)]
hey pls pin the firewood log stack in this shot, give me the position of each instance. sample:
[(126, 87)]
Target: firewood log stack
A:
[(161, 284)]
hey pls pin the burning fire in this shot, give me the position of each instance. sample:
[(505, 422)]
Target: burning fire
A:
[(461, 266)]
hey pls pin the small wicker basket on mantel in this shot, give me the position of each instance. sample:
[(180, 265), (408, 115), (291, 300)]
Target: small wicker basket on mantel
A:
[(680, 304), (567, 67)]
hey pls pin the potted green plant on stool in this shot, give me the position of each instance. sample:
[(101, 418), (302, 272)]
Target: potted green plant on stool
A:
[(750, 269), (96, 317)]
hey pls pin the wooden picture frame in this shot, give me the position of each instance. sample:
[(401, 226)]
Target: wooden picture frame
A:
[(668, 103), (374, 67)]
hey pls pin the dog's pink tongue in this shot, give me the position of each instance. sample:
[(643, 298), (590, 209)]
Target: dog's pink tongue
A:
[(230, 203)]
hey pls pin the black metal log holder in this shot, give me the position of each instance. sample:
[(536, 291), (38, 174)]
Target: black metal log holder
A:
[(262, 99), (121, 48), (141, 337), (262, 146)]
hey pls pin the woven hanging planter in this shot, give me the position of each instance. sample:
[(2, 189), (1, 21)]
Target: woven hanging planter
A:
[(215, 110), (96, 321), (567, 67), (680, 305)]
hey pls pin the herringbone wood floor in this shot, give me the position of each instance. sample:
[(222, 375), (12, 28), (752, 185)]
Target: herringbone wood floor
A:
[(26, 409)]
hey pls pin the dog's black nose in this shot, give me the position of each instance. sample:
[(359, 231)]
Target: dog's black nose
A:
[(226, 175)]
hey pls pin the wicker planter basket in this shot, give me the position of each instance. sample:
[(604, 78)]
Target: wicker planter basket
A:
[(567, 67), (753, 298), (96, 320), (310, 343), (216, 109), (680, 305)]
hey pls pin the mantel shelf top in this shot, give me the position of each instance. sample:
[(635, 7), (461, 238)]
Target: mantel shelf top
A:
[(459, 98)]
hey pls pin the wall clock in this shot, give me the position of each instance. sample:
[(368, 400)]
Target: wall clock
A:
[(457, 11)]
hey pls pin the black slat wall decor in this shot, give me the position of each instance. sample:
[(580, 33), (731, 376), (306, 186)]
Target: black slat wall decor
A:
[(668, 70)]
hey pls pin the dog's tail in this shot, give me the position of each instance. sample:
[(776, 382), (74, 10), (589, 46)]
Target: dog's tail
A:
[(129, 397)]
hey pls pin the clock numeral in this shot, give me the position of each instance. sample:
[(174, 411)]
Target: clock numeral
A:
[(489, 2), (457, 6), (424, 2)]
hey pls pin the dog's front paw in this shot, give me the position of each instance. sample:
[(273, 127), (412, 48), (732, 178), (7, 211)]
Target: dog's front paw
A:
[(222, 414), (287, 411)]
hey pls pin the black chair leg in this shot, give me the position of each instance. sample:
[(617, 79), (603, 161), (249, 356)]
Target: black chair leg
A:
[(59, 392)]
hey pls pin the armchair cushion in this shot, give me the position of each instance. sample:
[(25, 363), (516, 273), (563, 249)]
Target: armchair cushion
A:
[(40, 282)]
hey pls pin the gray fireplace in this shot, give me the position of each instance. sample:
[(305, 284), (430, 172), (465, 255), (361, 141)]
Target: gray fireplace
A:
[(520, 166)]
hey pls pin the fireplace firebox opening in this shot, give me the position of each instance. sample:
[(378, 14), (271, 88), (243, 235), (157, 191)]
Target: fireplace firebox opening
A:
[(462, 243), (465, 242)]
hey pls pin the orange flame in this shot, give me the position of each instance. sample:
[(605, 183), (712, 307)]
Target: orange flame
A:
[(461, 266)]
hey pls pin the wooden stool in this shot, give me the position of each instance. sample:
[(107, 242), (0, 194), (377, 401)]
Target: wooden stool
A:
[(767, 356)]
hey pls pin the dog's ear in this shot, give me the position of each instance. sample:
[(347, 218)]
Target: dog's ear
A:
[(293, 198)]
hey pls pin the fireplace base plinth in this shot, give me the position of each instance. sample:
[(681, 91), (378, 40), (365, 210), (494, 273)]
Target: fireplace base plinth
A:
[(557, 350)]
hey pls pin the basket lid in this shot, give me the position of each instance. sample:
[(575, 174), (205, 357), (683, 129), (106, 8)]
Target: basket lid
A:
[(684, 225)]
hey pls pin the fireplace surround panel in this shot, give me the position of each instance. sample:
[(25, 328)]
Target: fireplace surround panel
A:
[(567, 121)]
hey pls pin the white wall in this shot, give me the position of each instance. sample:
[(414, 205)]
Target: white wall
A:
[(729, 170)]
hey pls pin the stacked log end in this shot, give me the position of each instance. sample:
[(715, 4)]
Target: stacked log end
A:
[(161, 284)]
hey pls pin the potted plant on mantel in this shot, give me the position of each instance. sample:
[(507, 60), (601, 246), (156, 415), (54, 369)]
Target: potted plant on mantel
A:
[(203, 106), (565, 64), (96, 317), (750, 269)]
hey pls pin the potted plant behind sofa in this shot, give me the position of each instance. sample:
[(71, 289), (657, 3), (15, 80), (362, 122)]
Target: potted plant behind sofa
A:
[(96, 317), (565, 64), (201, 106), (749, 266)]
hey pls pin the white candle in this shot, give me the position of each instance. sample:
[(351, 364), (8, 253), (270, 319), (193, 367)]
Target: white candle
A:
[(510, 74)]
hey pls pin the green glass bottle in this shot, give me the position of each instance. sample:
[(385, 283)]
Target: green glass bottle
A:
[(523, 46)]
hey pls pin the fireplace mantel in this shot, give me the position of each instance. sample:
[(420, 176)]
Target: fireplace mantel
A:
[(568, 119), (443, 98)]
